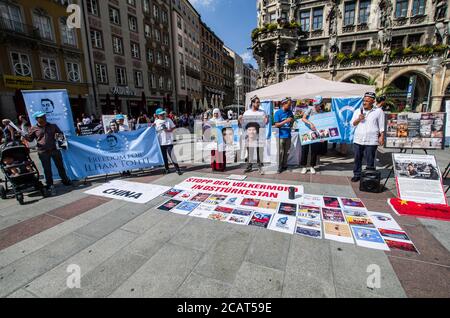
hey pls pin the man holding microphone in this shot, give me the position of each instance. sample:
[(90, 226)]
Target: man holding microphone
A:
[(369, 134)]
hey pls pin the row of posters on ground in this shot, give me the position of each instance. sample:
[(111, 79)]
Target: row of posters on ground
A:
[(345, 220)]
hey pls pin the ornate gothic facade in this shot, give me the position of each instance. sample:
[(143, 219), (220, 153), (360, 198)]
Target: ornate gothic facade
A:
[(388, 42)]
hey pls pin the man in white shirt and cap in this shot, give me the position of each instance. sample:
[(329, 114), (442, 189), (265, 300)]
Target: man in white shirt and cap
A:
[(369, 123)]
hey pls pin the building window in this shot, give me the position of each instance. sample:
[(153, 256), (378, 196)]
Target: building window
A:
[(11, 17), (117, 45), (304, 20), (114, 15), (152, 81), (135, 51), (164, 17), (180, 40), (155, 12), (92, 7), (149, 56), (147, 31), (166, 61), (169, 84), (317, 19), (157, 35), (49, 69), (161, 82), (44, 26), (102, 73), (131, 2), (73, 72), (316, 50), (349, 13), (397, 42), (166, 39), (361, 46), (69, 35), (364, 11), (401, 8), (146, 6), (121, 76), (273, 17), (158, 58), (132, 23), (414, 39), (138, 80), (347, 47), (21, 64), (418, 7), (96, 39)]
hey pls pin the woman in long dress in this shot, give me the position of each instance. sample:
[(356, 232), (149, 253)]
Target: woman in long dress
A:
[(218, 157)]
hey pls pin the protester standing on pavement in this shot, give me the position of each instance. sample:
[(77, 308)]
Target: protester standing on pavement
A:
[(165, 128), (315, 148), (218, 158), (120, 120), (284, 119), (369, 134), (255, 111), (45, 134)]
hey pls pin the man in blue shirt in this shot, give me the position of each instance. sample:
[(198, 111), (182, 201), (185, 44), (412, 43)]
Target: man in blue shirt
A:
[(284, 120)]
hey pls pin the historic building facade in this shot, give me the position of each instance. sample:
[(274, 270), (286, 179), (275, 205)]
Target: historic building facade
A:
[(186, 32), (228, 78), (239, 96), (385, 42), (212, 65), (129, 48), (38, 51)]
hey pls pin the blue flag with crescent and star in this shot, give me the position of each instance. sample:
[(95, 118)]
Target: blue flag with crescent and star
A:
[(344, 109)]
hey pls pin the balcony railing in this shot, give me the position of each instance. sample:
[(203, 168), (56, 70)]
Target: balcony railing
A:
[(17, 27), (278, 33)]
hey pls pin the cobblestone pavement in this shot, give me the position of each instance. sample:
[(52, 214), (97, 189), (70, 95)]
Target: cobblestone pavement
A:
[(131, 250)]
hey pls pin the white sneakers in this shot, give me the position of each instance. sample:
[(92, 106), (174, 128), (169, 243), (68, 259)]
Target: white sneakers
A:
[(305, 170)]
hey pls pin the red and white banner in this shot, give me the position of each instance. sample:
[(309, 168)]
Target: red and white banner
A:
[(268, 191)]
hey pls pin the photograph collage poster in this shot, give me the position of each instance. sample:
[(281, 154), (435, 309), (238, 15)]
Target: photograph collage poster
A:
[(327, 129), (415, 131), (418, 178)]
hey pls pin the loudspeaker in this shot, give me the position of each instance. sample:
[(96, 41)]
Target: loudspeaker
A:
[(371, 181)]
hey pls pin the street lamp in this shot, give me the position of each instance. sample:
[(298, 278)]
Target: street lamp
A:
[(238, 82), (434, 67)]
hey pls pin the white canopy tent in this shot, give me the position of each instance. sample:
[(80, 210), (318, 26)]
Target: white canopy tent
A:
[(308, 86)]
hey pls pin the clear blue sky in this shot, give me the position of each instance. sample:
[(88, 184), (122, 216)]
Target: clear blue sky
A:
[(232, 20)]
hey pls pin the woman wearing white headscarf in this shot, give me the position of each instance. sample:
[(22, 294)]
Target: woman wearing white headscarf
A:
[(218, 158)]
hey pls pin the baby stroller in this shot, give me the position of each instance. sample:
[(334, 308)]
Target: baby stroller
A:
[(19, 170)]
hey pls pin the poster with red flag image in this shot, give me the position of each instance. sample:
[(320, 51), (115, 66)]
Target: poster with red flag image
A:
[(418, 178)]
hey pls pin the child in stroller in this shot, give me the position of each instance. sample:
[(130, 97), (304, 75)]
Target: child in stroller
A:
[(14, 168), (19, 170)]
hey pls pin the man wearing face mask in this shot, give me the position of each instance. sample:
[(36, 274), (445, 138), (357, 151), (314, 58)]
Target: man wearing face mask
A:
[(369, 134)]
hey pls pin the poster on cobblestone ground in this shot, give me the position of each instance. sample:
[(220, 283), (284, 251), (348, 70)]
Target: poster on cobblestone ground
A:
[(129, 191)]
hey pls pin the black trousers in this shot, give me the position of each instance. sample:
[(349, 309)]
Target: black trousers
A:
[(167, 152), (315, 151), (46, 160), (361, 152)]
